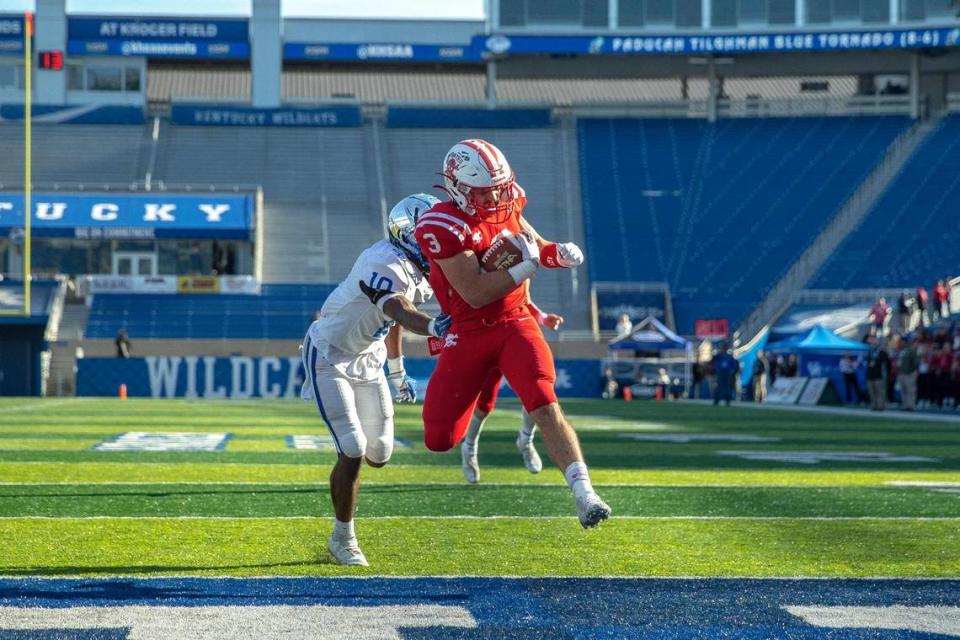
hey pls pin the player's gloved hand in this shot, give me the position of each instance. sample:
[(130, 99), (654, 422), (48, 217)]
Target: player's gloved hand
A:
[(439, 325), (375, 295), (528, 246), (402, 386), (563, 254)]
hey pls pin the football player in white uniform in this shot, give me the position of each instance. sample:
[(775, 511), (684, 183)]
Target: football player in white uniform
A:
[(344, 352)]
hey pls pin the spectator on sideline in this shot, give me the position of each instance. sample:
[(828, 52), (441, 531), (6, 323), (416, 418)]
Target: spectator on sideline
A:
[(923, 373), (725, 369), (611, 388), (940, 365), (664, 382), (791, 368), (123, 344), (922, 298), (699, 373), (624, 326), (955, 378), (890, 346), (908, 361), (879, 313), (941, 301), (848, 367), (760, 368), (776, 363), (878, 370), (904, 312)]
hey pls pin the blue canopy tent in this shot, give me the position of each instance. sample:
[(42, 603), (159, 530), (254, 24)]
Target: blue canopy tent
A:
[(819, 351)]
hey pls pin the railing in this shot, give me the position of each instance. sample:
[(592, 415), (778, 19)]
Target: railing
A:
[(810, 106), (953, 102), (852, 212)]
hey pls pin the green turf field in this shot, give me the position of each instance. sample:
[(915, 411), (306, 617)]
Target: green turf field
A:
[(696, 491)]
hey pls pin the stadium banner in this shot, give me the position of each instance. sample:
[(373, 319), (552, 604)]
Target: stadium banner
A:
[(137, 216), (106, 284), (198, 284), (230, 116), (75, 114), (701, 43), (456, 118), (228, 285), (11, 34), (786, 390), (158, 37), (381, 52), (267, 377), (636, 304)]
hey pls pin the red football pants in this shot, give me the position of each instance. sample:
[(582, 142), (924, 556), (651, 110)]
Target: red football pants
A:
[(515, 346), (488, 392)]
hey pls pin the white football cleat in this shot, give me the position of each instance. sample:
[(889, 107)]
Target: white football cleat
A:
[(346, 552), (471, 468), (531, 459), (592, 510)]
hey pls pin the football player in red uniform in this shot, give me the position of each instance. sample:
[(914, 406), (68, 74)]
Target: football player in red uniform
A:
[(492, 326), (485, 405)]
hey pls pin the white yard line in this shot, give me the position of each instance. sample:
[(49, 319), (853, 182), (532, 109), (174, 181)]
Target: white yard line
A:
[(890, 414), (321, 484), (504, 517), (39, 405)]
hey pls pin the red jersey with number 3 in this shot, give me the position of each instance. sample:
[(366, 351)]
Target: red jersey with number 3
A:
[(443, 232)]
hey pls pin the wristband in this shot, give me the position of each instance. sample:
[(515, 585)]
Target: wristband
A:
[(395, 365), (522, 271)]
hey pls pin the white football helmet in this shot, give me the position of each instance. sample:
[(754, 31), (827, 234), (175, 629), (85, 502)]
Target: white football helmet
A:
[(402, 221), (481, 182)]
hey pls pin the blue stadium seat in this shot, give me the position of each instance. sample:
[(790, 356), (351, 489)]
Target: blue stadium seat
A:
[(280, 312), (719, 211), (911, 236)]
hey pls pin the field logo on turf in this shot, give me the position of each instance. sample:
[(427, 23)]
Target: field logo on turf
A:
[(813, 457), (325, 443), (165, 441)]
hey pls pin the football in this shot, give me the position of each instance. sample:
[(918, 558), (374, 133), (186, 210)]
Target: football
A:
[(503, 253)]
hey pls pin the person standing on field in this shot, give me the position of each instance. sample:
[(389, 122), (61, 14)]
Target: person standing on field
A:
[(908, 361), (878, 370)]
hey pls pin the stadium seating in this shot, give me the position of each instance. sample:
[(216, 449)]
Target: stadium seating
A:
[(93, 155), (281, 312), (912, 235), (319, 208), (718, 211)]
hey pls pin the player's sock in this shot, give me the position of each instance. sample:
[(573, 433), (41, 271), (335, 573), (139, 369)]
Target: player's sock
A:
[(526, 430), (473, 432), (578, 479), (343, 530)]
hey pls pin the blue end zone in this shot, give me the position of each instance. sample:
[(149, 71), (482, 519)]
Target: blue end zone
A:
[(662, 609)]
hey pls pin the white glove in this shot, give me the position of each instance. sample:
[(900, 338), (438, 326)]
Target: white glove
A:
[(404, 387), (528, 246), (569, 255)]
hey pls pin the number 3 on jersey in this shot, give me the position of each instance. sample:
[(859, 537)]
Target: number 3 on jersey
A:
[(434, 245)]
